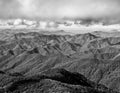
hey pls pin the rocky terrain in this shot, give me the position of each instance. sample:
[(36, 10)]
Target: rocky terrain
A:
[(34, 62)]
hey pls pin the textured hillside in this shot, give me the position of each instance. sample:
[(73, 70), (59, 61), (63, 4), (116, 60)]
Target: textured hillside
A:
[(28, 55)]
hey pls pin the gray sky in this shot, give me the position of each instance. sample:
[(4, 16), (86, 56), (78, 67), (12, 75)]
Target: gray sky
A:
[(107, 11)]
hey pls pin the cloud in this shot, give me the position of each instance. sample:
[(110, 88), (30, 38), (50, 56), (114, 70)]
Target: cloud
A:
[(9, 8), (106, 11)]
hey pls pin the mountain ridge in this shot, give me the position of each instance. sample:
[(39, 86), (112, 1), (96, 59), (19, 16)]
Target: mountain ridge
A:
[(32, 53)]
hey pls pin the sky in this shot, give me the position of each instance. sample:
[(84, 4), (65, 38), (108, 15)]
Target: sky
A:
[(106, 11)]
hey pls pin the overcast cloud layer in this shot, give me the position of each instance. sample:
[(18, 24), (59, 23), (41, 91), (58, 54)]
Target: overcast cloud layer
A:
[(107, 11)]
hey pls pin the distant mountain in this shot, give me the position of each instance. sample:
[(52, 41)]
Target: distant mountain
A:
[(58, 32), (113, 33)]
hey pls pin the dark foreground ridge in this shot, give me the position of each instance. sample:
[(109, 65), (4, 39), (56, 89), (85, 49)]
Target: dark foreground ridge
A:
[(54, 81)]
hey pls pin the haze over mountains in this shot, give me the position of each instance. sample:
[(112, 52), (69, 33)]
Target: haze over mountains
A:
[(76, 26)]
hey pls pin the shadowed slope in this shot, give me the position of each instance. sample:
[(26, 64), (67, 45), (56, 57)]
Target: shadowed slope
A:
[(55, 80)]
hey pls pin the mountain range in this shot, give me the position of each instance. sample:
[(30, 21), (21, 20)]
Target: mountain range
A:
[(51, 62)]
